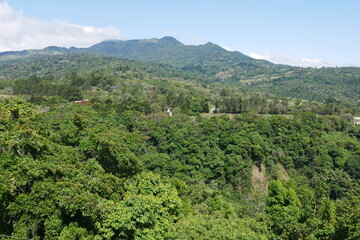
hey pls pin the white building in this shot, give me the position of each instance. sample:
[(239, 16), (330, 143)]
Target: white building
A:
[(356, 120)]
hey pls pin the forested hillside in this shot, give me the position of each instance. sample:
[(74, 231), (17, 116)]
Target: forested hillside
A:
[(342, 84), (160, 86), (208, 62), (100, 171), (163, 151)]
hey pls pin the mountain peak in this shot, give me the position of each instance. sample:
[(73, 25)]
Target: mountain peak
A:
[(210, 44), (169, 39)]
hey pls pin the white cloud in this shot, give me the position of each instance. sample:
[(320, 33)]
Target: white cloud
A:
[(258, 56), (293, 61), (20, 32), (313, 60), (228, 48)]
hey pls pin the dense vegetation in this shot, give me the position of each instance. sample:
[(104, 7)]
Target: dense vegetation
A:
[(208, 63), (87, 171), (118, 75), (317, 84), (117, 166)]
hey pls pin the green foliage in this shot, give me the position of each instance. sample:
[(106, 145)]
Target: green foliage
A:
[(86, 171), (44, 87), (206, 64), (115, 152), (283, 209), (148, 210), (119, 167), (348, 216), (16, 110), (316, 84), (208, 59), (211, 227)]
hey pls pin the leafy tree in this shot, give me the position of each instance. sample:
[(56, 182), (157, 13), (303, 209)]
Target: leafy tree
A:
[(283, 210), (149, 209)]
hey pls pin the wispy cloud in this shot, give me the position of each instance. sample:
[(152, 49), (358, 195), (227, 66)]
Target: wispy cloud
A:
[(294, 61), (20, 32), (228, 48)]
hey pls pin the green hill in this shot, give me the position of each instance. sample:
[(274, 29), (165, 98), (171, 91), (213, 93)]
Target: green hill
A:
[(119, 166), (208, 63), (209, 58)]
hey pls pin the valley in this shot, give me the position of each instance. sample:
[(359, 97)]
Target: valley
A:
[(251, 150)]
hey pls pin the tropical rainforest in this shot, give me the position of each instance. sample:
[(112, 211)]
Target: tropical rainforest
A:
[(153, 139)]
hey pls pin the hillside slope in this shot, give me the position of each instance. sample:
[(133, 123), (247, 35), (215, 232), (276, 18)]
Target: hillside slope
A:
[(208, 63), (208, 58)]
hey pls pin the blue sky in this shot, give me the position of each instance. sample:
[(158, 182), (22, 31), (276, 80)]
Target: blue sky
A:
[(296, 32)]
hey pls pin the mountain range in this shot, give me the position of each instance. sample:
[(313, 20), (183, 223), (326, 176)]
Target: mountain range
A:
[(208, 62), (209, 59)]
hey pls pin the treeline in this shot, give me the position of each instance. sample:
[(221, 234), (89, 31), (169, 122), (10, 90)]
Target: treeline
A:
[(264, 104), (208, 66), (133, 89), (315, 84), (45, 86)]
